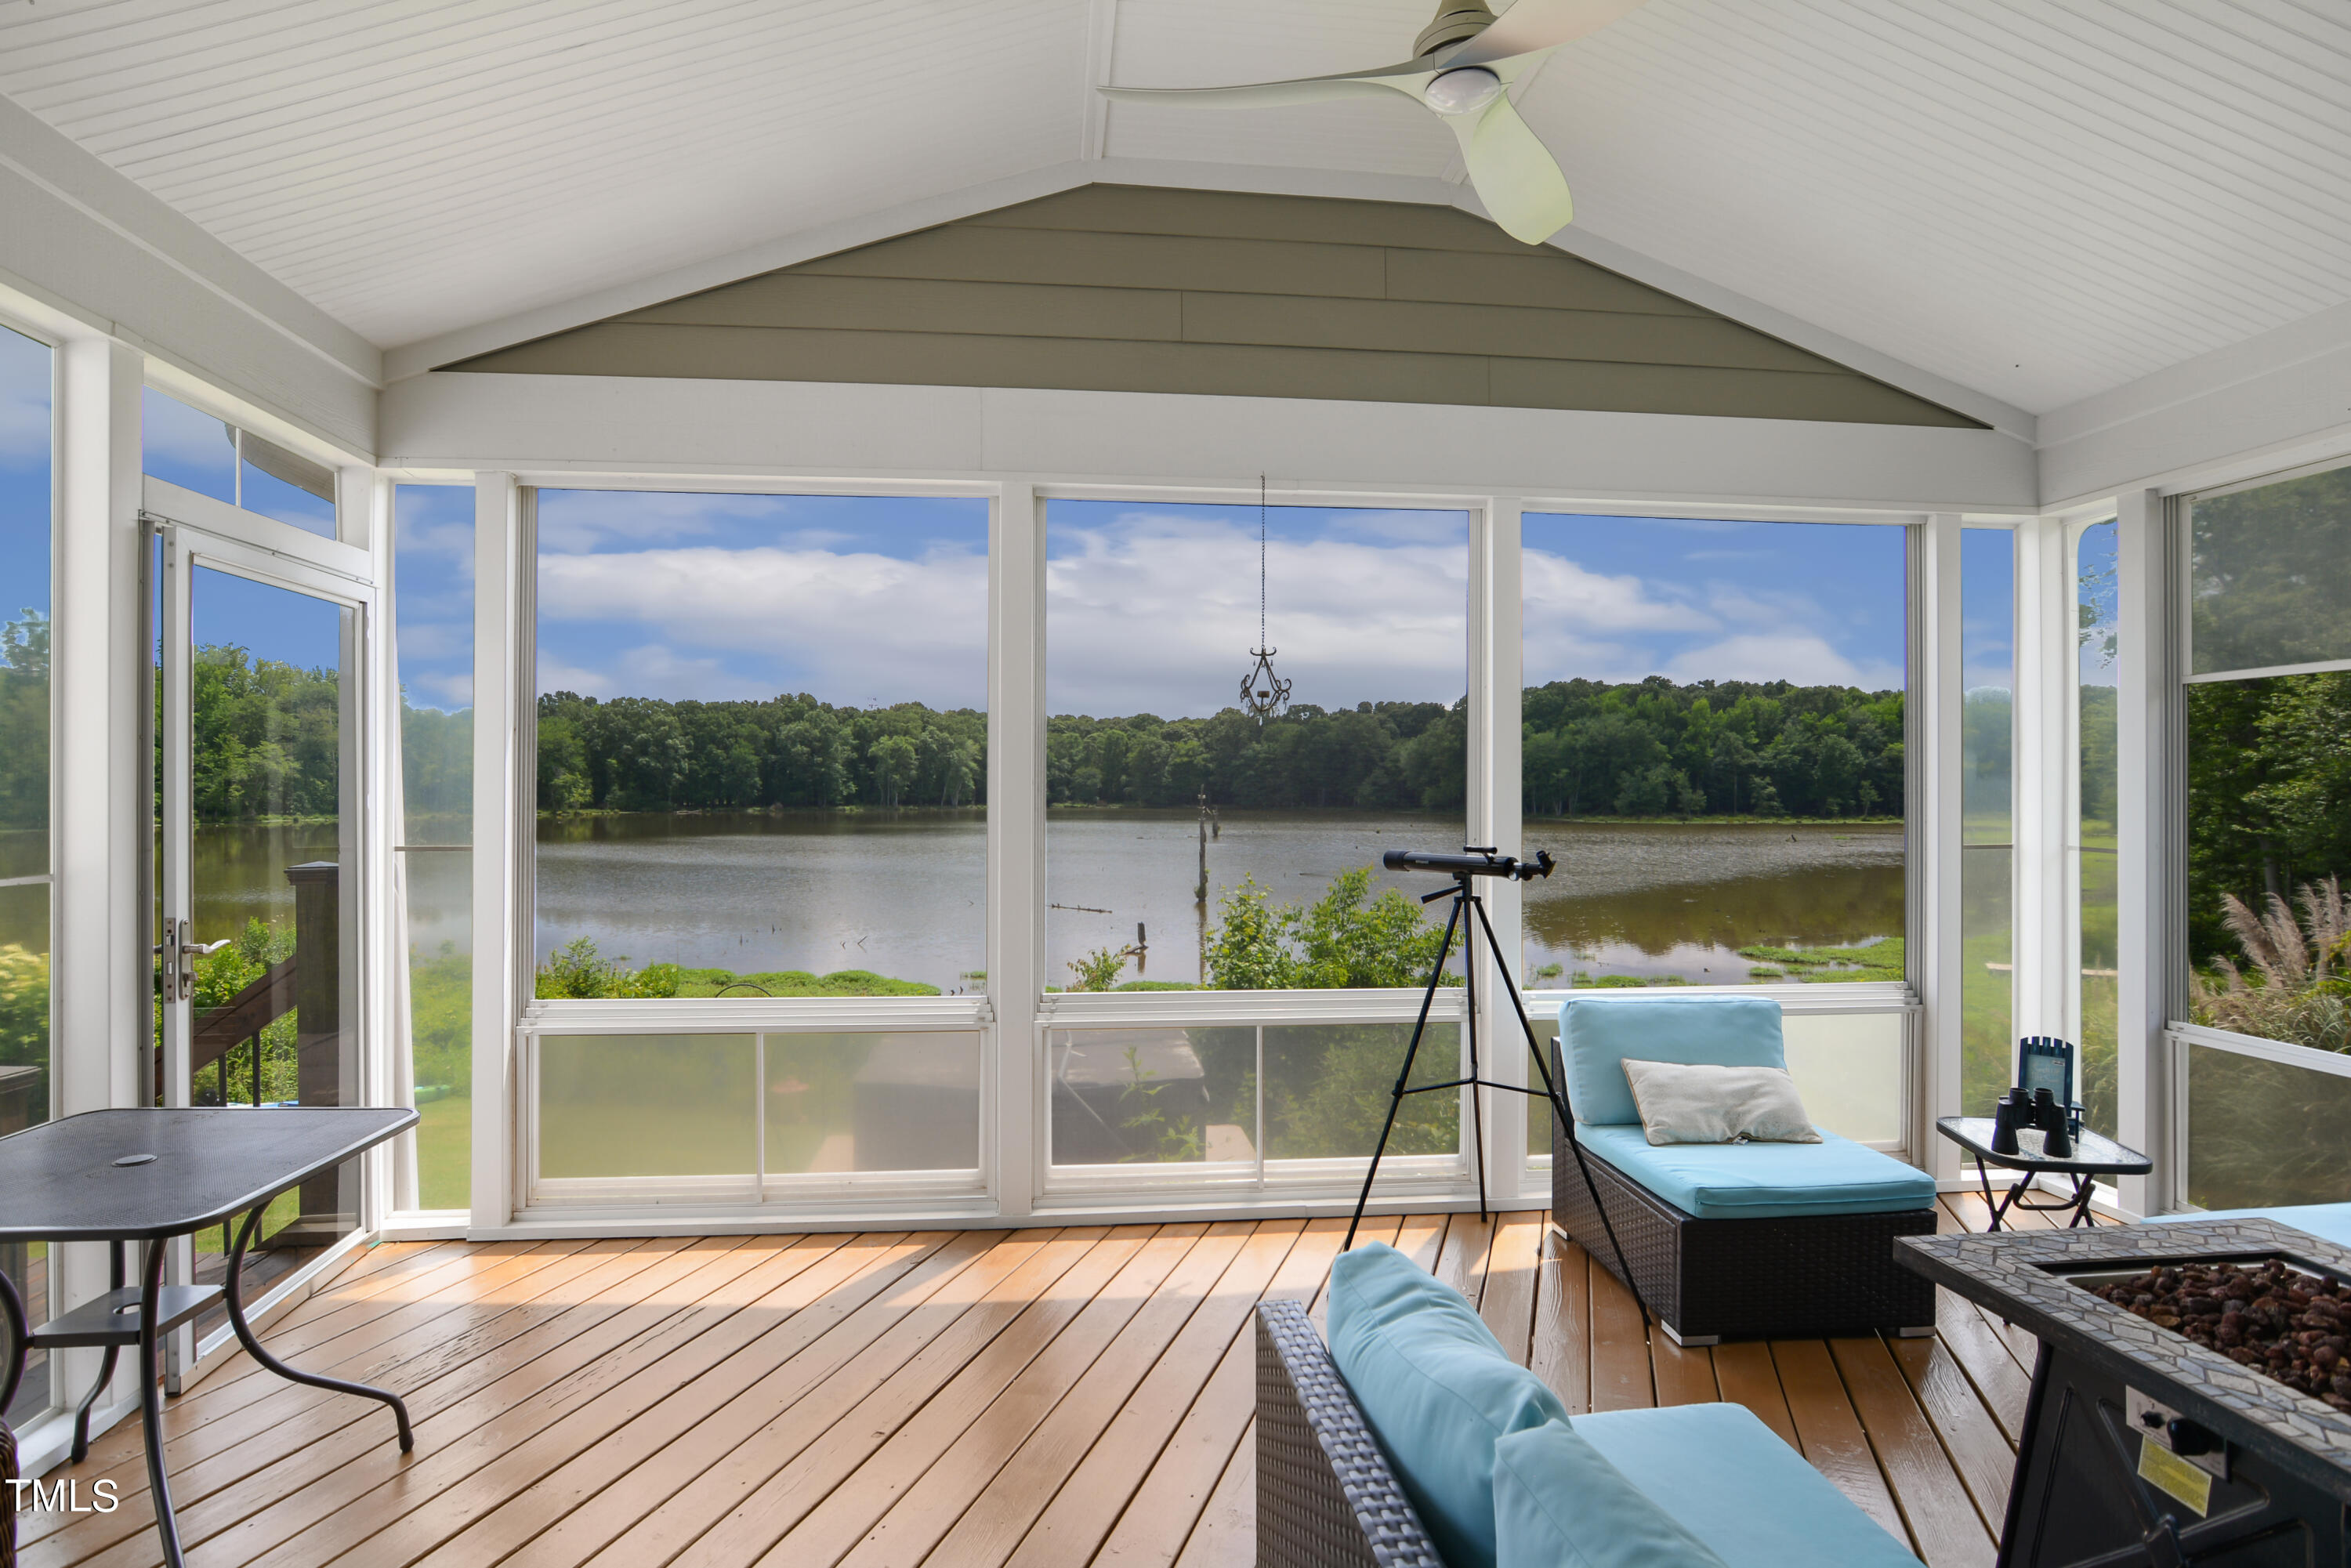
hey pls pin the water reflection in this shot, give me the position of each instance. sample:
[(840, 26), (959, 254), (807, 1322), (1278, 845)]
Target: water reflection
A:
[(904, 894)]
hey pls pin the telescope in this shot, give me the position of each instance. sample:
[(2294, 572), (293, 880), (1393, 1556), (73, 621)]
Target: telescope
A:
[(1472, 861)]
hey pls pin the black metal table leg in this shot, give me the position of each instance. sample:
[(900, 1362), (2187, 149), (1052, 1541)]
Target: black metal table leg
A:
[(245, 1337), (106, 1368), (13, 1309), (150, 1402)]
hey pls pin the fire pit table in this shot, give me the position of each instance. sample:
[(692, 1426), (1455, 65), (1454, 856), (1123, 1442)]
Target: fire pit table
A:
[(2141, 1446)]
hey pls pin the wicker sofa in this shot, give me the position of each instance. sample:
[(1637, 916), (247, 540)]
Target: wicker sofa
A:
[(1794, 1263), (1329, 1497)]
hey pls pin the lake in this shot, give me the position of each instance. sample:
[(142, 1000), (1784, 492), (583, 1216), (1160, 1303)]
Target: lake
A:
[(903, 893)]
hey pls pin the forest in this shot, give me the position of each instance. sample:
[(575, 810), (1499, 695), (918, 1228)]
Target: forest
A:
[(1651, 748)]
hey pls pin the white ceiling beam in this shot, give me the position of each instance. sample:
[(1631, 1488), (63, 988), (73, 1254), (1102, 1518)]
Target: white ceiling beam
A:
[(43, 157), (2277, 400), (1102, 44)]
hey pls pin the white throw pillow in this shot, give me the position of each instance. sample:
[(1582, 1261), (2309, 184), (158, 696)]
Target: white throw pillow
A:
[(1685, 1103)]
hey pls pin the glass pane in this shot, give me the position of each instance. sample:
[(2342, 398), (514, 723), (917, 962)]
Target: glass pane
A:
[(647, 1105), (25, 1098), (2092, 852), (2260, 1134), (1186, 842), (25, 502), (276, 1009), (1987, 853), (1153, 1096), (1327, 1091), (1848, 1069), (286, 486), (762, 745), (872, 1103), (433, 534), (1713, 750), (2269, 573), (184, 447), (2269, 849)]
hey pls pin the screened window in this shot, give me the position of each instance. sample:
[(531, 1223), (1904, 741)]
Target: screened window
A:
[(25, 1086), (1192, 841), (1713, 751), (2268, 707), (212, 457), (762, 745), (2094, 989), (1988, 836), (433, 534)]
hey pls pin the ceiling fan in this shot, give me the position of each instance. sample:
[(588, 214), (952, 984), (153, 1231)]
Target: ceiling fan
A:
[(1462, 66)]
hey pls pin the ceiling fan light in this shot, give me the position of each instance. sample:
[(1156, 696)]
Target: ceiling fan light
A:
[(1463, 91)]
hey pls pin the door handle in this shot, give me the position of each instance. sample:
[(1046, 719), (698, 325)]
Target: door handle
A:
[(179, 975)]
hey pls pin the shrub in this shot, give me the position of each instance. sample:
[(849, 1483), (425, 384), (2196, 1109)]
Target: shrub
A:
[(2299, 998)]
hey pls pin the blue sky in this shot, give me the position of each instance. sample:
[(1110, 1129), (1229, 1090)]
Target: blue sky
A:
[(859, 601), (1152, 607), (1987, 608), (24, 380), (1618, 599)]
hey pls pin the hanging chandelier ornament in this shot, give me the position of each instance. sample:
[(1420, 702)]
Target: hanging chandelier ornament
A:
[(1263, 693)]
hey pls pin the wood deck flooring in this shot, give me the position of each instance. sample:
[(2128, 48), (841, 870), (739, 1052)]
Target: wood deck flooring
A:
[(954, 1397)]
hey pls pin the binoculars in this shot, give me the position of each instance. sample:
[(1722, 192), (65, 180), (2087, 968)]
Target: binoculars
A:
[(2020, 1110)]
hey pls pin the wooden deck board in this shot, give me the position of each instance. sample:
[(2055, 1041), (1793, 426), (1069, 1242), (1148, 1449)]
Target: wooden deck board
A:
[(1034, 1397)]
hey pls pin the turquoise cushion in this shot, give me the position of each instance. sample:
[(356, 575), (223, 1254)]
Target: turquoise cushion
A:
[(1434, 1388), (2327, 1221), (1597, 1033), (1731, 1481), (1558, 1504), (1764, 1181)]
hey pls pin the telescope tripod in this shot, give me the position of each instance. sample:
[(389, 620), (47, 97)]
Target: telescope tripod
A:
[(1468, 907)]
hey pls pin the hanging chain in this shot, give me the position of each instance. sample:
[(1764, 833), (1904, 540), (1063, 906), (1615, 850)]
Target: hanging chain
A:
[(1260, 560), (1264, 694)]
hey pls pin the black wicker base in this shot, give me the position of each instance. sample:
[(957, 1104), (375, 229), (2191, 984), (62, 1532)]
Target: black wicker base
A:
[(1325, 1491), (1710, 1279)]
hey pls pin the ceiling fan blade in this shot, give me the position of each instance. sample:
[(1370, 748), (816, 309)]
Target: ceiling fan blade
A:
[(1407, 77), (1532, 25), (1514, 172)]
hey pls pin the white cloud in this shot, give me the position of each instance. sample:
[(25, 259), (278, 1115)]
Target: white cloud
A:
[(651, 671), (849, 628), (1158, 614), (449, 692), (435, 640), (1802, 657), (169, 428)]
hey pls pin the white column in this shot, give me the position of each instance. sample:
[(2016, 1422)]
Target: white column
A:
[(366, 519), (2046, 671), (1940, 780), (101, 989), (501, 671), (2146, 674), (1016, 837), (1493, 819)]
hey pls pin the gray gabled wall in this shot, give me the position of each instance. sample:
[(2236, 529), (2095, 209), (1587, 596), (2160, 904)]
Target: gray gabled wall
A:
[(1136, 288)]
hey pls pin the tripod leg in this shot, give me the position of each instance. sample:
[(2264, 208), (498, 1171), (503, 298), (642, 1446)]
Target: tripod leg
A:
[(1395, 1096), (1560, 1108), (1469, 1002)]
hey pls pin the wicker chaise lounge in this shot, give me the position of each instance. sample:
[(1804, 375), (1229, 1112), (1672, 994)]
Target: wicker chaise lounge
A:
[(1742, 1240)]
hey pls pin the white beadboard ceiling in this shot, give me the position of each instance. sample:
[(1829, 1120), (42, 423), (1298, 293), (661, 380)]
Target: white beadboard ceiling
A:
[(2039, 199)]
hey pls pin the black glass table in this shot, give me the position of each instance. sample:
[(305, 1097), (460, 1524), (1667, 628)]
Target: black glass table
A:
[(2094, 1155), (127, 1175)]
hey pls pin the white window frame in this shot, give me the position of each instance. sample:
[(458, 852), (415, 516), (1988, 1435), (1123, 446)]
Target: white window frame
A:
[(1017, 1015)]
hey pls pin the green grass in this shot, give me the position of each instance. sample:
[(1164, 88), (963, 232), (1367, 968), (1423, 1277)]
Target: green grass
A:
[(801, 983), (1881, 960), (444, 1152)]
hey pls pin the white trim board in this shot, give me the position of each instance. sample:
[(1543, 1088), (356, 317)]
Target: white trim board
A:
[(83, 239), (652, 425), (2274, 401)]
